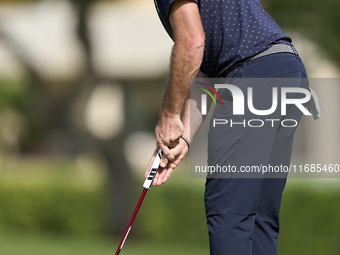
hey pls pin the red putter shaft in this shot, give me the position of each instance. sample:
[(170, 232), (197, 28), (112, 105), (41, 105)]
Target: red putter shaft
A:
[(146, 186), (140, 200)]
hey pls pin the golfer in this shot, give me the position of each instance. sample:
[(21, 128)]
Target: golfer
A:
[(235, 41)]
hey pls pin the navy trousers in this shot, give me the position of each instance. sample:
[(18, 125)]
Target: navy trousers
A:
[(243, 213)]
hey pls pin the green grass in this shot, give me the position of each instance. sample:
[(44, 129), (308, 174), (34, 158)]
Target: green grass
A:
[(28, 244)]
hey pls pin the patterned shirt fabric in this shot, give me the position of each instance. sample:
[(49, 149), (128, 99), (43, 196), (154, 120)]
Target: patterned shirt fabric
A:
[(234, 30)]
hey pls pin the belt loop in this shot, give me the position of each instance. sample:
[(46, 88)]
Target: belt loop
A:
[(296, 53)]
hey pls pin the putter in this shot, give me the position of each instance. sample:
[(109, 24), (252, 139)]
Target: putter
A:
[(146, 186)]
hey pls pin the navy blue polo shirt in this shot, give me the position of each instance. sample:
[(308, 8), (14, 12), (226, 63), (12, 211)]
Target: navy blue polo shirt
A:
[(234, 30)]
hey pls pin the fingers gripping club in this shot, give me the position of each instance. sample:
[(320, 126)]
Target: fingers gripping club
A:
[(154, 168)]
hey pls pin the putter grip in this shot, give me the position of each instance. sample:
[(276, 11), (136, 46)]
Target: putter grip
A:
[(154, 168)]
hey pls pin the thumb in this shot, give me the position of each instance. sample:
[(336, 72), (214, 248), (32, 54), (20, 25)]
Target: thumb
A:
[(151, 162), (164, 161)]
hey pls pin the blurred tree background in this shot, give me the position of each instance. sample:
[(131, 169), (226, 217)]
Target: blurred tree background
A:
[(46, 114), (45, 107), (61, 175)]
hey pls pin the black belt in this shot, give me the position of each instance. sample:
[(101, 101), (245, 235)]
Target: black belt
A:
[(276, 48)]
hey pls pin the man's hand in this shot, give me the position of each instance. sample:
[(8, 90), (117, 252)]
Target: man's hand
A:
[(168, 132), (164, 173)]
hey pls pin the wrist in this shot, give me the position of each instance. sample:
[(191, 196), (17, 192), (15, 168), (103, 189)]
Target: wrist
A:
[(186, 140), (168, 115)]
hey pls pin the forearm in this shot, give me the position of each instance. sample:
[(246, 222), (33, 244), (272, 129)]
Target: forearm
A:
[(192, 117), (185, 63), (186, 56), (186, 59)]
